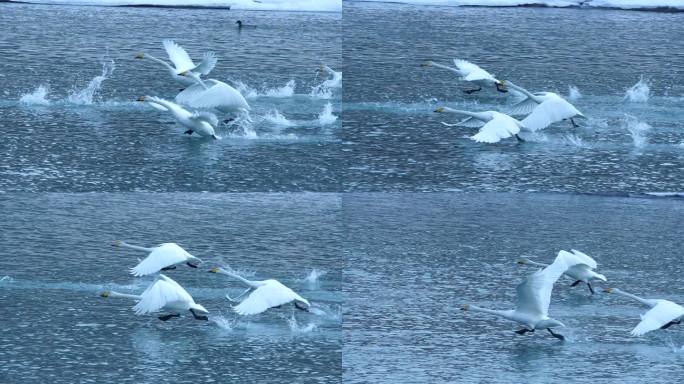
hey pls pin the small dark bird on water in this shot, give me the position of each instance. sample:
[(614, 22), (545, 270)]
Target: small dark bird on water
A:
[(242, 25)]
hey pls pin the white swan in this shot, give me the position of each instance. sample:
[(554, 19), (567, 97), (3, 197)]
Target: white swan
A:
[(161, 258), (166, 295), (581, 273), (202, 123), (471, 73), (212, 94), (182, 62), (544, 108), (662, 315), (533, 297), (264, 294), (335, 81), (494, 126)]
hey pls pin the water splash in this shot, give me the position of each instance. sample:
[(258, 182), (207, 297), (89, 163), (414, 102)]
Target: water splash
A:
[(286, 90), (247, 91), (313, 276), (295, 327), (673, 347), (86, 96), (639, 92), (6, 279), (321, 92), (223, 322), (637, 130), (326, 116), (575, 140), (277, 118), (574, 93), (37, 97)]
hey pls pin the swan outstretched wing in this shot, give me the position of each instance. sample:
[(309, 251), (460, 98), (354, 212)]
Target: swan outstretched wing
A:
[(163, 290), (472, 72), (206, 117), (500, 127), (664, 312), (218, 95), (269, 295), (181, 60), (523, 107), (533, 295), (165, 255), (586, 259), (208, 63), (552, 110)]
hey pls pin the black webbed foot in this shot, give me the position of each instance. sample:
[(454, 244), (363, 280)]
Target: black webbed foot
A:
[(199, 317), (169, 268), (590, 288), (301, 307), (520, 139), (168, 317), (226, 121), (523, 331), (556, 335), (191, 265), (188, 132), (576, 283), (671, 323), (469, 91)]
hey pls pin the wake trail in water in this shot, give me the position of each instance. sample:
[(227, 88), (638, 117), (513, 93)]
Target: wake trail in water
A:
[(37, 97), (639, 92)]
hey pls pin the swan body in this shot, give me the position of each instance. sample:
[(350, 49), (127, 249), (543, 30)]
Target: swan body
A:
[(182, 62), (471, 73), (335, 81), (202, 123), (533, 297), (162, 257), (494, 126), (212, 94), (581, 273), (164, 294), (264, 294), (544, 108), (662, 315)]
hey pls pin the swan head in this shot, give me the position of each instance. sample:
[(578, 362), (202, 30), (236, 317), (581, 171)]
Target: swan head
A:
[(523, 261), (609, 290), (465, 307), (215, 270), (426, 63), (184, 73), (117, 243), (239, 23), (439, 110), (105, 294), (140, 55), (141, 98)]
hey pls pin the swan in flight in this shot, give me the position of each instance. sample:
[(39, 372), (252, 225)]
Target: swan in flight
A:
[(335, 82), (161, 258), (544, 108), (163, 295), (471, 73), (212, 94), (264, 294), (533, 297), (493, 125), (581, 273), (182, 62), (662, 315), (202, 123)]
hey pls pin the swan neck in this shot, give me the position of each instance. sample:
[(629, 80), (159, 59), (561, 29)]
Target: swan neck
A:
[(522, 90), (537, 263), (495, 312), (164, 63), (446, 67), (236, 276), (131, 246), (126, 295), (634, 297)]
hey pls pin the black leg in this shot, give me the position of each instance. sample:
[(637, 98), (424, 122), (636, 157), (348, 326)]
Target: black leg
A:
[(498, 88), (191, 265), (300, 306), (215, 137), (556, 335), (169, 316), (226, 121), (469, 91), (520, 139), (590, 288), (523, 331), (198, 317), (671, 323), (575, 283), (168, 268), (188, 132), (574, 125)]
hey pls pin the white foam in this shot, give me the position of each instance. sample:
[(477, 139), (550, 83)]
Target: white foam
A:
[(278, 119), (295, 327), (261, 5), (313, 276), (326, 116), (286, 90), (574, 93), (637, 130), (639, 92), (37, 97), (86, 95)]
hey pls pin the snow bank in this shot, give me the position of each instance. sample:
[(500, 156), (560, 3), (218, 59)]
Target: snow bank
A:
[(673, 5)]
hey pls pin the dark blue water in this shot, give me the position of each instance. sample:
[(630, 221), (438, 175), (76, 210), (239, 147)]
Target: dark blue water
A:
[(106, 141), (395, 141), (56, 328)]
